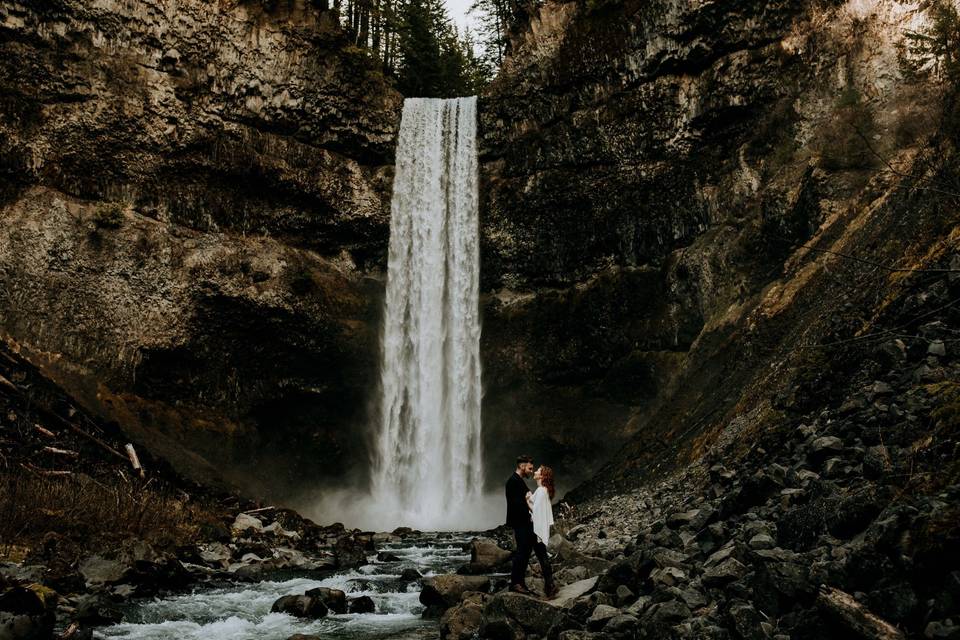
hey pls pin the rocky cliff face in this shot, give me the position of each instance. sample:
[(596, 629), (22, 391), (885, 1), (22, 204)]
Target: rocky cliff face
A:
[(193, 196), (667, 187), (195, 201)]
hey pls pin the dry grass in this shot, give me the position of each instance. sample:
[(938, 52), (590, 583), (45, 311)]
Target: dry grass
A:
[(93, 513)]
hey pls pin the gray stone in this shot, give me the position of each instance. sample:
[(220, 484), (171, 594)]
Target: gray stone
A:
[(245, 524), (724, 573), (333, 599), (300, 606), (445, 590), (937, 348), (600, 615)]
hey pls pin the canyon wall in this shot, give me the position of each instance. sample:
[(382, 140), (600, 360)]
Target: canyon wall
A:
[(195, 200), (195, 205), (664, 184)]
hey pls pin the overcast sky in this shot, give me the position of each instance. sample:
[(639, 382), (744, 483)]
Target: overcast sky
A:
[(458, 13)]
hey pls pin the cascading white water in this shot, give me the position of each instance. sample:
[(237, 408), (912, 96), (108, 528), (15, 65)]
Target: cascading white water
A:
[(427, 469)]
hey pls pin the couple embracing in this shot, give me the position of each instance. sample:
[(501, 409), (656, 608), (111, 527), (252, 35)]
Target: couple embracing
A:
[(530, 515)]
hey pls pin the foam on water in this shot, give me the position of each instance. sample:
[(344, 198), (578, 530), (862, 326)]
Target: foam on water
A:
[(242, 612)]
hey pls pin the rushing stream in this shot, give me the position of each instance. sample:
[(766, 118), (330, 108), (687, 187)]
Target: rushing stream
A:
[(242, 611)]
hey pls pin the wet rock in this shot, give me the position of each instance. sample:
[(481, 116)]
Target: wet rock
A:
[(27, 613), (334, 599), (410, 575), (363, 604), (386, 556), (96, 610), (300, 606), (444, 591), (350, 552)]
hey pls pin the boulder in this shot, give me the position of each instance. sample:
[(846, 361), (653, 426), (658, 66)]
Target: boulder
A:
[(444, 591), (410, 575), (96, 610), (98, 571), (600, 616), (531, 615), (27, 613), (245, 524), (216, 555), (334, 599), (464, 620), (485, 557), (363, 604), (300, 606)]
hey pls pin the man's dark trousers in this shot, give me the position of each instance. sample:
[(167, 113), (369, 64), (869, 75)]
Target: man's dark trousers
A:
[(518, 517), (525, 538)]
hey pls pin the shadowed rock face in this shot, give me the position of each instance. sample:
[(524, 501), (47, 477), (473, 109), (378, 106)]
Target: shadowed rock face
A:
[(195, 204), (651, 174)]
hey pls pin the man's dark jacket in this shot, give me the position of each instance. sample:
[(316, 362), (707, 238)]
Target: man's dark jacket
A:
[(518, 514)]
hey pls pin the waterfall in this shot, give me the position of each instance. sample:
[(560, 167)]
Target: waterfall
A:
[(427, 468)]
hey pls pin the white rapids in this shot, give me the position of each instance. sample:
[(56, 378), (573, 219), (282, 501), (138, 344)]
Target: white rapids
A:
[(427, 467), (242, 611)]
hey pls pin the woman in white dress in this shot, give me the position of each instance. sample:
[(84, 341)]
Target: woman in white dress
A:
[(541, 512)]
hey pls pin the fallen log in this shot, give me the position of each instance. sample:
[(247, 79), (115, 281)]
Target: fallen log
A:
[(61, 452), (46, 433), (45, 472), (261, 509), (134, 460), (843, 608)]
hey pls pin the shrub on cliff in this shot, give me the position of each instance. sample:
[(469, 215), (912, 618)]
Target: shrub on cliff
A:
[(109, 215)]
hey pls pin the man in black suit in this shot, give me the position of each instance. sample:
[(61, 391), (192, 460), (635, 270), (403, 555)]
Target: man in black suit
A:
[(518, 517)]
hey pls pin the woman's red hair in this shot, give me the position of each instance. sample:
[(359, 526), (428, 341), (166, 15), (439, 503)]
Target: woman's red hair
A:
[(546, 479)]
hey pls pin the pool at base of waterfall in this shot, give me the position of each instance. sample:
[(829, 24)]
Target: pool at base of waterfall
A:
[(242, 611)]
